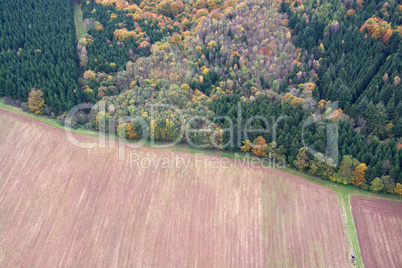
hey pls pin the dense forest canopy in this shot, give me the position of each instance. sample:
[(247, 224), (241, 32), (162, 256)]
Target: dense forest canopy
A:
[(37, 50), (354, 69), (339, 60)]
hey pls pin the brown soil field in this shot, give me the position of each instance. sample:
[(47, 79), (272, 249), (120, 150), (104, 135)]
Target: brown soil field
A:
[(61, 205), (379, 230)]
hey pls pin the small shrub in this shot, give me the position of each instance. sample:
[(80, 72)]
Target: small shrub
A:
[(82, 119), (12, 102), (47, 111), (24, 107)]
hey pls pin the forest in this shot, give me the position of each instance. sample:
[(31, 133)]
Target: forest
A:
[(37, 51), (337, 61)]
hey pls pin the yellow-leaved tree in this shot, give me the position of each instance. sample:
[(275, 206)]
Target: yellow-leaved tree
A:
[(36, 103), (398, 189), (246, 146)]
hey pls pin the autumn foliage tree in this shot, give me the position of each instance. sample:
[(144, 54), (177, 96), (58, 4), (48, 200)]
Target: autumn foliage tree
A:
[(36, 103), (89, 75), (125, 131), (169, 8), (398, 189), (246, 146), (359, 175), (377, 28), (260, 147), (175, 39)]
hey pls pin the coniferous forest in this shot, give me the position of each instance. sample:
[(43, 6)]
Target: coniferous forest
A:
[(37, 50), (331, 60)]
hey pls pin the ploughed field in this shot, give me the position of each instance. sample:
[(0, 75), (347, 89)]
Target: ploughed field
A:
[(379, 230), (61, 205)]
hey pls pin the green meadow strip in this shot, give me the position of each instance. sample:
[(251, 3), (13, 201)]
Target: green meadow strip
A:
[(78, 19)]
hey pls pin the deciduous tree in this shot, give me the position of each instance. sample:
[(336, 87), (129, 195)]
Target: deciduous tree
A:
[(260, 147), (301, 161), (398, 189), (377, 185), (246, 146), (347, 167), (359, 175), (36, 103)]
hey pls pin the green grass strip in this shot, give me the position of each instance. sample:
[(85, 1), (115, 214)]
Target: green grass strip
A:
[(351, 230), (78, 19)]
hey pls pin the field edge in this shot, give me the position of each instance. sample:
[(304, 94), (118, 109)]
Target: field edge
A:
[(347, 190)]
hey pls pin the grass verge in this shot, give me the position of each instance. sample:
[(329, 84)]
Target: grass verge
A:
[(78, 19), (351, 229)]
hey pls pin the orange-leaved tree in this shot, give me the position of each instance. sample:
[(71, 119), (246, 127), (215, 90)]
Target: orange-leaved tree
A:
[(36, 103), (359, 175), (130, 133), (125, 131), (260, 147)]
